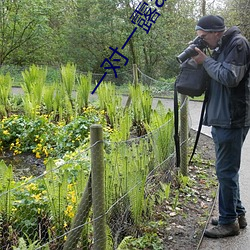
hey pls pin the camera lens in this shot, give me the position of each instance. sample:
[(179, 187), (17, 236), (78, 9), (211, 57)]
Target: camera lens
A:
[(187, 53)]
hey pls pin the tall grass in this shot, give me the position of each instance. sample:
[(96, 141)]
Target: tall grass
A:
[(141, 106), (110, 102), (5, 90), (33, 86), (83, 91), (68, 74), (161, 128)]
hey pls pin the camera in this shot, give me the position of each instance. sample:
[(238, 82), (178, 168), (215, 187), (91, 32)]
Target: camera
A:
[(190, 51)]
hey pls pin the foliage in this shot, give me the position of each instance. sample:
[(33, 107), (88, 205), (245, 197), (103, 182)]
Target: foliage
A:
[(44, 138), (22, 23), (110, 102), (6, 184), (34, 81), (46, 205), (141, 107), (5, 90), (147, 241), (45, 32), (68, 73), (161, 126), (83, 90), (51, 201)]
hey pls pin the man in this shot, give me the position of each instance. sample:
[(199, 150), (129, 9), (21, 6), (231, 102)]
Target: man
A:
[(228, 112)]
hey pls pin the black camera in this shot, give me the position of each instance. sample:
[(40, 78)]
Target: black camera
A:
[(190, 51)]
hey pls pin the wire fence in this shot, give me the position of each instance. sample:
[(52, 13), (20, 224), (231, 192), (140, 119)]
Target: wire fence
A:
[(55, 210)]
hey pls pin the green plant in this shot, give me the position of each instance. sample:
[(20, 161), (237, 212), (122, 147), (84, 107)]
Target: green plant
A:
[(110, 102), (23, 246), (48, 98), (6, 196), (68, 74), (83, 91), (141, 104), (126, 172), (34, 81), (123, 124), (176, 199), (184, 181), (5, 90), (147, 241), (161, 126), (30, 208), (164, 191)]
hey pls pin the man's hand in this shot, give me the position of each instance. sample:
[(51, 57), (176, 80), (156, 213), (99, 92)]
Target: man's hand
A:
[(200, 58)]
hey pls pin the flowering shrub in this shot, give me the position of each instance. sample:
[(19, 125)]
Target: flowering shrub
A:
[(45, 138)]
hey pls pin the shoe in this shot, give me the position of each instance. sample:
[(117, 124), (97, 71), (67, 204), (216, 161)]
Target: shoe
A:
[(241, 219), (221, 231)]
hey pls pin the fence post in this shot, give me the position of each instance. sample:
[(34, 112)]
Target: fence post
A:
[(184, 135), (135, 74), (80, 218), (98, 195), (135, 81)]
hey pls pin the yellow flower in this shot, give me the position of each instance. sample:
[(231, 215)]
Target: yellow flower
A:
[(6, 132), (38, 156), (31, 187), (73, 199), (12, 145), (37, 196), (69, 211), (14, 209)]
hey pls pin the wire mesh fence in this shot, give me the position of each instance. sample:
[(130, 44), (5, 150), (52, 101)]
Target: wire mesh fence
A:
[(46, 210), (56, 209)]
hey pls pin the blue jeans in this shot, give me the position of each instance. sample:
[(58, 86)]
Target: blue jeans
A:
[(228, 145)]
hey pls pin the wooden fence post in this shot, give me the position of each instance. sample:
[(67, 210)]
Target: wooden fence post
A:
[(98, 194), (184, 135), (135, 82), (135, 74), (80, 218)]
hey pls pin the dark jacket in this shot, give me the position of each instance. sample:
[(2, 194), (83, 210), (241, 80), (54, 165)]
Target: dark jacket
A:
[(229, 90)]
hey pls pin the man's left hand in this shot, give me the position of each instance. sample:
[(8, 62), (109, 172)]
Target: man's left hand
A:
[(200, 58)]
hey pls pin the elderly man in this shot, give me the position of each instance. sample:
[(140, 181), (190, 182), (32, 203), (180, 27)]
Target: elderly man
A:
[(228, 112)]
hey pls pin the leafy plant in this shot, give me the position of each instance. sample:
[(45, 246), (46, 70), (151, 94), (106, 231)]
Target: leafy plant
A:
[(141, 104), (110, 102), (68, 74), (6, 184), (22, 245), (147, 241), (5, 90), (83, 91), (161, 126), (34, 81), (48, 98)]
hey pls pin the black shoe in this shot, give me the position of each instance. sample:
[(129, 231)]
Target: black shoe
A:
[(221, 231), (241, 219)]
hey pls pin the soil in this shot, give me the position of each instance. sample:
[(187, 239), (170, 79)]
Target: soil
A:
[(186, 223), (25, 164)]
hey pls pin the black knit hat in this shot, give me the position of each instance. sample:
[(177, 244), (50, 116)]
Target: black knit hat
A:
[(211, 23)]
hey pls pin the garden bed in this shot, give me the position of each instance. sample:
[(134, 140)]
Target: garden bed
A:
[(185, 226)]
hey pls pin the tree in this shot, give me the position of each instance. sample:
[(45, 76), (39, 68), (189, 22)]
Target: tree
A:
[(237, 13), (20, 22)]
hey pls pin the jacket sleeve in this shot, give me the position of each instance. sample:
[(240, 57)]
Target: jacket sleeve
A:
[(234, 66)]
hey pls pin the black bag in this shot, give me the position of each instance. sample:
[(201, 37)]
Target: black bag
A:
[(192, 80)]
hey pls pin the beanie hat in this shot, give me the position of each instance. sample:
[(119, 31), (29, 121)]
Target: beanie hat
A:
[(210, 23)]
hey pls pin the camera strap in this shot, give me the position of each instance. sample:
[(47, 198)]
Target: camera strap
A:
[(199, 127), (176, 126)]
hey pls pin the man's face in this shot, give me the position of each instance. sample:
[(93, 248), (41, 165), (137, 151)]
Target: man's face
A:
[(211, 38)]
